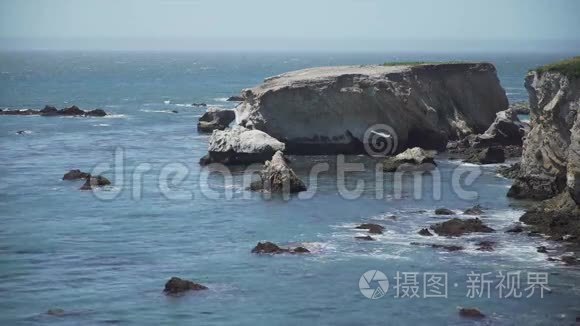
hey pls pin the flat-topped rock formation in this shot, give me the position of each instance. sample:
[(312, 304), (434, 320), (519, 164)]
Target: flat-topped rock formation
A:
[(329, 109)]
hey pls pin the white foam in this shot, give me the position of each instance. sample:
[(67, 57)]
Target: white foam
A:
[(167, 102), (115, 116), (221, 99), (102, 125)]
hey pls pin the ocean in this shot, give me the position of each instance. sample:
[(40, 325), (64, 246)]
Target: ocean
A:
[(103, 258)]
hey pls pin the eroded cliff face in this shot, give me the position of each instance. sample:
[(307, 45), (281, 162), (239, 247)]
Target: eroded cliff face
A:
[(328, 109), (551, 157)]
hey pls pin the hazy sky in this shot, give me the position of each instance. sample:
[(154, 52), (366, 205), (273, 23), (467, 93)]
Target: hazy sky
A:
[(300, 24)]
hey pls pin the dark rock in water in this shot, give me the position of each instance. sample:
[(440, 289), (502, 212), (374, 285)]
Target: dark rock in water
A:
[(365, 237), (177, 285), (199, 104), (49, 111), (72, 111), (372, 228), (174, 111), (444, 211), (542, 249), (425, 232), (488, 155), (278, 177), (57, 312), (75, 175), (486, 246), (22, 132), (457, 227), (517, 228), (510, 171), (413, 159), (471, 313), (239, 145), (94, 182), (558, 218), (475, 210), (96, 113), (235, 98), (272, 248), (19, 112), (215, 119), (438, 246), (569, 260)]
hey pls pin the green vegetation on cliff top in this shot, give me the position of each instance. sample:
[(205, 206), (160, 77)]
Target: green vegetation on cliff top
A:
[(416, 63), (569, 67)]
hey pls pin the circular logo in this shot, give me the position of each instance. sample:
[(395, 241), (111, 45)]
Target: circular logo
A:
[(380, 140), (373, 284)]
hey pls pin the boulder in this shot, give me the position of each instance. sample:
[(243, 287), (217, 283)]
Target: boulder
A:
[(75, 175), (486, 155), (95, 182), (413, 159), (475, 210), (457, 227), (278, 177), (471, 313), (177, 286), (551, 158), (365, 237), (239, 145), (372, 228), (507, 129), (516, 228), (272, 248), (444, 211), (215, 119), (48, 111), (328, 110)]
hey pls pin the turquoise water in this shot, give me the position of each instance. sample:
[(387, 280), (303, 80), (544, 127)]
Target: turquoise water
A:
[(106, 261)]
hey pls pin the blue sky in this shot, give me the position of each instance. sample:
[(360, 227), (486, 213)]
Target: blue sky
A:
[(298, 24)]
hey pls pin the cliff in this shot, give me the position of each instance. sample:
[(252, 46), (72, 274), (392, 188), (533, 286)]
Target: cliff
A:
[(551, 157), (328, 109)]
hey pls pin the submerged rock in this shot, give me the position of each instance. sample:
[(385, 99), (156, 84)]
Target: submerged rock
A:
[(272, 248), (328, 110), (95, 182), (199, 104), (365, 237), (75, 175), (438, 246), (278, 177), (372, 228), (516, 228), (235, 98), (240, 145), (457, 227), (413, 159), (215, 119), (96, 113), (471, 313), (177, 285), (486, 246)]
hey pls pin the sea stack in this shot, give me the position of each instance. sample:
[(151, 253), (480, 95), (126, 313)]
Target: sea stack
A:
[(327, 110)]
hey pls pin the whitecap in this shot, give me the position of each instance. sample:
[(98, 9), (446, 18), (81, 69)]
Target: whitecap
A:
[(102, 125), (115, 116), (221, 99), (167, 102)]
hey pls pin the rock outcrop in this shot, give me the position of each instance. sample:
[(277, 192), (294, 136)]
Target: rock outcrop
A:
[(215, 119), (506, 129), (551, 158), (95, 182), (75, 175), (329, 109), (457, 227), (176, 286), (51, 111), (486, 155), (413, 159), (239, 145), (371, 228), (278, 177), (272, 248)]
